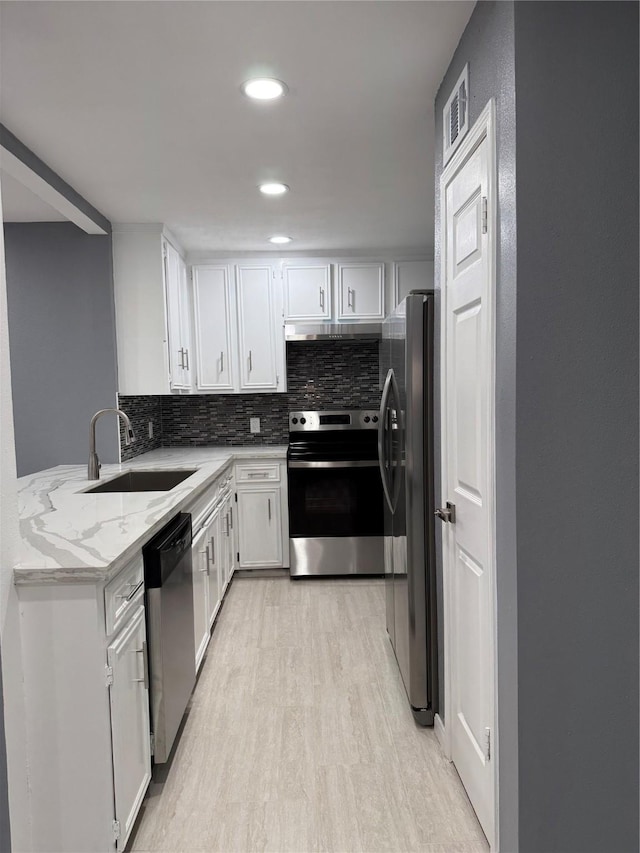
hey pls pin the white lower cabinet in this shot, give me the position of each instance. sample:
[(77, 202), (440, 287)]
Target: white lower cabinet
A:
[(86, 695), (211, 557), (200, 566), (263, 528), (130, 726)]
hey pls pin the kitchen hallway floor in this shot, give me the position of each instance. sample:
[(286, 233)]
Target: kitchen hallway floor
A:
[(299, 737)]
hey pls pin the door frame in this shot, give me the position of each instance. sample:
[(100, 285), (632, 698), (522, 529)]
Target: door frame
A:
[(483, 128)]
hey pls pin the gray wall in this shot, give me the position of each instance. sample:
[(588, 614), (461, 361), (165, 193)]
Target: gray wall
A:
[(62, 342), (488, 46), (577, 425), (563, 75)]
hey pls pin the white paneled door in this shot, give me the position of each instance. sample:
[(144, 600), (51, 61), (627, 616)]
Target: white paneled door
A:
[(467, 474)]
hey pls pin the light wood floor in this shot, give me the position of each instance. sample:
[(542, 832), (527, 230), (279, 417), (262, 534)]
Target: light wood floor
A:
[(299, 737)]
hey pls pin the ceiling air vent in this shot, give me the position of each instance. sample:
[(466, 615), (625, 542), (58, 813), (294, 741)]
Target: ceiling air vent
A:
[(455, 118)]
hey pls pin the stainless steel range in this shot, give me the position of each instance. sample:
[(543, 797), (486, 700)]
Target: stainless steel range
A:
[(336, 520)]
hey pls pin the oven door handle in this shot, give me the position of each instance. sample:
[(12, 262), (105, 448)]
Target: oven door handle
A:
[(341, 463)]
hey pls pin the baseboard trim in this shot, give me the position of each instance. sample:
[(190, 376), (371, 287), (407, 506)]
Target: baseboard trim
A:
[(441, 734)]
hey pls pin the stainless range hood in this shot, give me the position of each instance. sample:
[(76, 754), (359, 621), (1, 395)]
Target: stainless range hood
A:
[(334, 332)]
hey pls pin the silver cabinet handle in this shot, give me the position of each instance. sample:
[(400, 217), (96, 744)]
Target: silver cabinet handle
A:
[(269, 507), (231, 516), (349, 297), (186, 353), (221, 361), (322, 298), (181, 351), (250, 362), (213, 550), (206, 567), (145, 665), (228, 528), (258, 475)]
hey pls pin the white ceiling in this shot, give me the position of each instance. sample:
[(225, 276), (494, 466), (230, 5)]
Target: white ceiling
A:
[(19, 204), (137, 105)]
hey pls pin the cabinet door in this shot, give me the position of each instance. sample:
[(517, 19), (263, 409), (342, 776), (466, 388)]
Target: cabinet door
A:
[(257, 328), (130, 727), (212, 308), (185, 325), (214, 566), (179, 377), (226, 538), (260, 539), (307, 292), (200, 559), (361, 291), (411, 275)]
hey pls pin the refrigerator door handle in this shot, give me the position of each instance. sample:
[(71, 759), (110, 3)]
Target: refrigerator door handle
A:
[(382, 426), (396, 465)]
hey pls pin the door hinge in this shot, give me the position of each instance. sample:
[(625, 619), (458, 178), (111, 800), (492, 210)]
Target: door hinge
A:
[(152, 741), (485, 215), (108, 675), (236, 496), (115, 828), (487, 743)]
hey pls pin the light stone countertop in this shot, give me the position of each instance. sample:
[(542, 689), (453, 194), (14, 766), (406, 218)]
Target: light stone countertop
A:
[(68, 536)]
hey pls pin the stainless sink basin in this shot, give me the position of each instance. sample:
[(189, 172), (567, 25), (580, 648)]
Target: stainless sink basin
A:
[(143, 481)]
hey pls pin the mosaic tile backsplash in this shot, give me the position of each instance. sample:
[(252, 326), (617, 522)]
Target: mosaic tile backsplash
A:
[(320, 375)]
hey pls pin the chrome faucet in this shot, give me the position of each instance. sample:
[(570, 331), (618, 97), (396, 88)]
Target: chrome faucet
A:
[(94, 462)]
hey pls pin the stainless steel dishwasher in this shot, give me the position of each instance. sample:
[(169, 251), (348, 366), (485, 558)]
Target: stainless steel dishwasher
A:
[(169, 593)]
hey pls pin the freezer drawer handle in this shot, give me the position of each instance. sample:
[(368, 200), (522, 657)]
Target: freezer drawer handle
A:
[(448, 514)]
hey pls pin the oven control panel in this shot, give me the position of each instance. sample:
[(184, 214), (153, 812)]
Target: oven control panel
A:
[(332, 420)]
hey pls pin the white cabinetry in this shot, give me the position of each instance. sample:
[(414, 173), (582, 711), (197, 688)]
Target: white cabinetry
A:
[(411, 275), (84, 670), (238, 327), (143, 284), (360, 291), (211, 558), (256, 322), (129, 700), (214, 322), (307, 291), (178, 319), (200, 566), (263, 525)]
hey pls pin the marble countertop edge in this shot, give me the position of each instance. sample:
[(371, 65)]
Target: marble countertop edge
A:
[(71, 537)]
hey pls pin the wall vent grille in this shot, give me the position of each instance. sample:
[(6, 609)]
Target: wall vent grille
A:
[(455, 118)]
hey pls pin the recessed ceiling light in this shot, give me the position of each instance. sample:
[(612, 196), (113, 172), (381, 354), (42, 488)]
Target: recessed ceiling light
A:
[(264, 88), (279, 238), (273, 188)]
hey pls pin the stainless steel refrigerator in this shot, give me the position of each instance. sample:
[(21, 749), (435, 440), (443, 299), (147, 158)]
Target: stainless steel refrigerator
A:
[(405, 449)]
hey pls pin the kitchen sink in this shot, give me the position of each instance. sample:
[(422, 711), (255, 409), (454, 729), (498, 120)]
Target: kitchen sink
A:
[(143, 481)]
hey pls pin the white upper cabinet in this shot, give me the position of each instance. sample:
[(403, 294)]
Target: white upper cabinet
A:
[(178, 319), (307, 291), (256, 322), (360, 289), (411, 275), (214, 320)]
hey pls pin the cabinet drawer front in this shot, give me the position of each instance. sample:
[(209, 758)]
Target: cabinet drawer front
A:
[(122, 593), (204, 505), (258, 473)]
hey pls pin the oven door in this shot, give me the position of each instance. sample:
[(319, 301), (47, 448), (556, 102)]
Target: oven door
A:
[(335, 499)]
